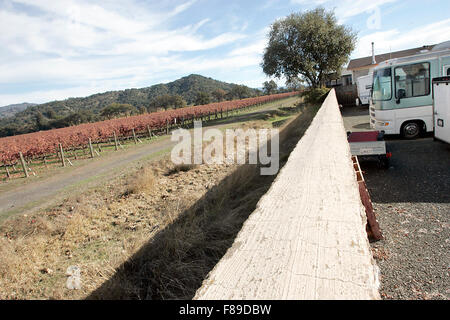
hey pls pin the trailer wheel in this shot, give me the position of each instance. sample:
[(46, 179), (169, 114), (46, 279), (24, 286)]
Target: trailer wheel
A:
[(411, 130)]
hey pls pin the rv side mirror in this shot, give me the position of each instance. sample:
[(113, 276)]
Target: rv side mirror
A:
[(401, 93)]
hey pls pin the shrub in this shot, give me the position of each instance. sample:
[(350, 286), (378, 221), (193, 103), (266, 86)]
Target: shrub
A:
[(315, 95)]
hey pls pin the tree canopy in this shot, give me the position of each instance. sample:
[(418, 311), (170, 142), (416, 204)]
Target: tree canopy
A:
[(308, 45)]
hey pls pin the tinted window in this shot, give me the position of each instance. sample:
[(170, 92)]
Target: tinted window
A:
[(412, 80), (448, 71)]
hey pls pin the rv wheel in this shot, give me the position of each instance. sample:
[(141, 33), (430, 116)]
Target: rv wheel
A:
[(411, 130)]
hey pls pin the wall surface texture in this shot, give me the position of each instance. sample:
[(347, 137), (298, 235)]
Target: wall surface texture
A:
[(307, 238)]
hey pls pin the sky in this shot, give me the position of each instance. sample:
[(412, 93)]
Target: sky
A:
[(53, 50)]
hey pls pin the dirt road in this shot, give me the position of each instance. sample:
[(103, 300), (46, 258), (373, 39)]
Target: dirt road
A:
[(36, 195), (48, 191)]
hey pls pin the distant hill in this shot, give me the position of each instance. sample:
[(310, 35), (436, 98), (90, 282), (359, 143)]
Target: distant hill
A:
[(88, 109), (12, 109)]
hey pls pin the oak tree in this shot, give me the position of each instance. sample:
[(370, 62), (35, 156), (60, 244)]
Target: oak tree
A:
[(308, 45)]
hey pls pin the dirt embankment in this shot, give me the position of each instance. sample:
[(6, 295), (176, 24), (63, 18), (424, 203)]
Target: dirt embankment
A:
[(152, 235)]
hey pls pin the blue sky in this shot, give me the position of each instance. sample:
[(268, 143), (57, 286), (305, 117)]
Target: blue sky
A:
[(51, 50)]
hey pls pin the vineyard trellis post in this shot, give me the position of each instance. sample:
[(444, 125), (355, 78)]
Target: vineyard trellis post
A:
[(61, 151), (134, 136), (115, 141), (24, 166), (8, 175), (91, 149)]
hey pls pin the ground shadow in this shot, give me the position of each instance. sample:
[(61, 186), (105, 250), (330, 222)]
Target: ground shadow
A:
[(362, 126)]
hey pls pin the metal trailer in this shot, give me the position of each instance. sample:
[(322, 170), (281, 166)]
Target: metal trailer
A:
[(369, 144), (441, 108)]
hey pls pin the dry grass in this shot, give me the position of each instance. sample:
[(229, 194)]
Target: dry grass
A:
[(97, 231), (143, 181), (154, 237)]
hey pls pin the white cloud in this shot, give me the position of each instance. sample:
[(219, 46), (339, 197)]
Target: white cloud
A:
[(42, 96), (182, 7), (122, 44), (345, 9), (395, 40), (255, 48)]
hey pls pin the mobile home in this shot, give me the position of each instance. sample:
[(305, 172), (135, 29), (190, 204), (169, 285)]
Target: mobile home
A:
[(402, 99)]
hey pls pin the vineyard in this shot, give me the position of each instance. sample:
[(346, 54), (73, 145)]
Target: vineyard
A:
[(39, 144)]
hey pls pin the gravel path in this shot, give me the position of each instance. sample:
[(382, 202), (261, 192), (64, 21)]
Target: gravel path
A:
[(412, 202)]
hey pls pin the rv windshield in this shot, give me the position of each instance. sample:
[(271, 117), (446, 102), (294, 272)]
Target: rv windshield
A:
[(382, 85)]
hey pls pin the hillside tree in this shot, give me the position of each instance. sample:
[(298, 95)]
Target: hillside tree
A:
[(270, 87), (202, 98), (219, 94), (115, 110), (167, 101), (240, 92)]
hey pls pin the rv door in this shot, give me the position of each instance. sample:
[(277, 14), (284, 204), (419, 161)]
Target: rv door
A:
[(441, 110)]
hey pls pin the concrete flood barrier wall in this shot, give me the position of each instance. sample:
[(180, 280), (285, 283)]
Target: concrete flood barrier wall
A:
[(307, 238)]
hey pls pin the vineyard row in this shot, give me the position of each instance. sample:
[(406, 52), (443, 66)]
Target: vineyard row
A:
[(39, 144)]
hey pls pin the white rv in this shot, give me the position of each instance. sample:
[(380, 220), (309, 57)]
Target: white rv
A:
[(441, 108), (402, 99)]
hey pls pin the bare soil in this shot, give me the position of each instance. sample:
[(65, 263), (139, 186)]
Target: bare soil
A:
[(152, 231)]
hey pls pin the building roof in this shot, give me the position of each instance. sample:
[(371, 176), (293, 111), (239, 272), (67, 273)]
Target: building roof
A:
[(367, 61)]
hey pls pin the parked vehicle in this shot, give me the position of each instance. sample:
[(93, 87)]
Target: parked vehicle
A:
[(369, 144), (402, 99), (441, 108), (364, 86)]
